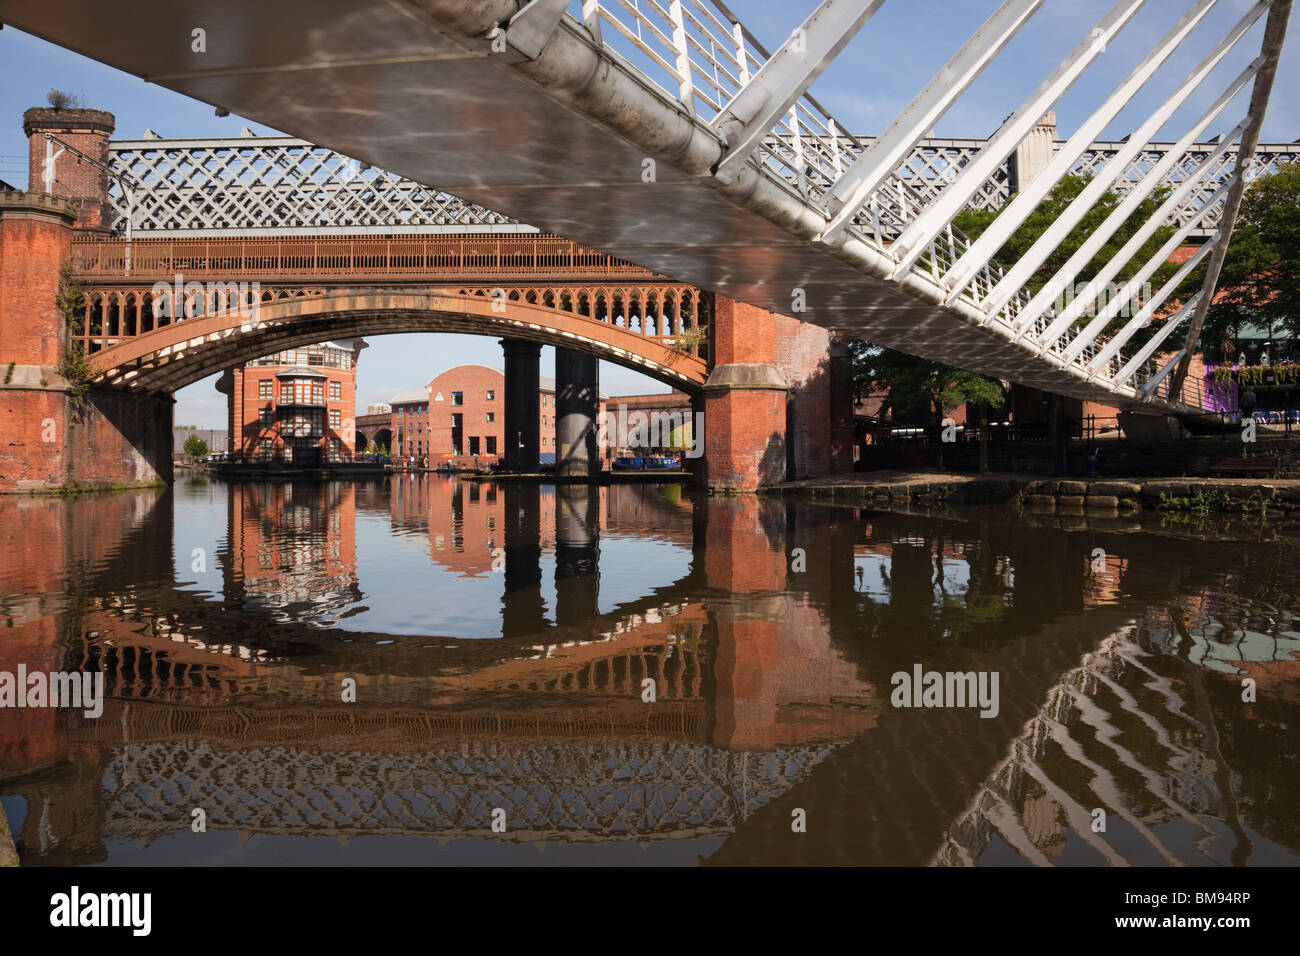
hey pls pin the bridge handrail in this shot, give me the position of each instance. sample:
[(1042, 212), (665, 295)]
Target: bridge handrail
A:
[(358, 257)]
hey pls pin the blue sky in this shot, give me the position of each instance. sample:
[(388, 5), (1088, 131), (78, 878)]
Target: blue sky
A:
[(885, 65)]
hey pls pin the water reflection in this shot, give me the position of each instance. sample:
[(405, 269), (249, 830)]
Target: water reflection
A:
[(505, 639)]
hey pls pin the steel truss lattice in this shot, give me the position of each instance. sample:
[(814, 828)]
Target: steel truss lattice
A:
[(278, 186)]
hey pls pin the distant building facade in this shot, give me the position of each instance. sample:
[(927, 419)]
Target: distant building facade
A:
[(645, 424), (297, 406), (460, 417), (217, 439)]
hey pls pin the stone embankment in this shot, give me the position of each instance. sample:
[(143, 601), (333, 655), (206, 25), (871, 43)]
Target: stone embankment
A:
[(1053, 495)]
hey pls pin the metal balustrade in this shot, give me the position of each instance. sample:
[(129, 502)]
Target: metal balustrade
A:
[(356, 259)]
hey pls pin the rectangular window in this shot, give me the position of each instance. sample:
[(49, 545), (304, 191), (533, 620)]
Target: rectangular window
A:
[(336, 392), (492, 395), (318, 393), (286, 393), (266, 418), (264, 449), (492, 416), (492, 444), (264, 389), (458, 398), (335, 418), (473, 445)]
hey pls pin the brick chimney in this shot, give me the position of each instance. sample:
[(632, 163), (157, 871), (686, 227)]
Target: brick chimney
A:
[(74, 178)]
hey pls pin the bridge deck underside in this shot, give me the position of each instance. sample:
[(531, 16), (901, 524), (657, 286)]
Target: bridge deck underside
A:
[(425, 103)]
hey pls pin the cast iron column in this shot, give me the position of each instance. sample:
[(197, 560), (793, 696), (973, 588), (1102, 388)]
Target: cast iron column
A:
[(522, 410), (577, 402)]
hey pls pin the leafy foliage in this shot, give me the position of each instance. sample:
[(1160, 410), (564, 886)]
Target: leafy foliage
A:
[(195, 446), (974, 222), (911, 381), (60, 100), (1260, 282), (72, 360)]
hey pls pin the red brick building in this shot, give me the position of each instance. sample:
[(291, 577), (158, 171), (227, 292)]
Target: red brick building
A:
[(460, 416), (297, 406)]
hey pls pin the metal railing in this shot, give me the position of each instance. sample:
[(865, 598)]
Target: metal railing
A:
[(343, 258)]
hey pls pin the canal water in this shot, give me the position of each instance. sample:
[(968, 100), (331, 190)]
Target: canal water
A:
[(425, 670)]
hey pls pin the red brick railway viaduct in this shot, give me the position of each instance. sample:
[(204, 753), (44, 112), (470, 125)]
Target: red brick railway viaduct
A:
[(773, 390)]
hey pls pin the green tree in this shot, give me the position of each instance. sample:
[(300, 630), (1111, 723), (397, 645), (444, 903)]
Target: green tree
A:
[(1260, 282), (909, 381), (973, 223), (195, 447)]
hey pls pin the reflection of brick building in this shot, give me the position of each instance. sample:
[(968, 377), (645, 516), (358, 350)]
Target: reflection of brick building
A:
[(293, 547), (465, 521), (296, 406), (461, 414)]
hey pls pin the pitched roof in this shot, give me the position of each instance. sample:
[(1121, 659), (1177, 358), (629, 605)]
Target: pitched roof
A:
[(407, 396)]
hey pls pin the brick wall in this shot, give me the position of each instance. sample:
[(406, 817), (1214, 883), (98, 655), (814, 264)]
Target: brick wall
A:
[(34, 243), (803, 354), (121, 438), (82, 182)]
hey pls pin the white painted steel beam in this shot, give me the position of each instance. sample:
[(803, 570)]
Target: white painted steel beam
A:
[(1112, 268), (772, 92), (532, 27), (1002, 228), (1143, 316), (1128, 293), (1153, 385), (1018, 274), (1144, 353), (923, 230), (1084, 202), (897, 143)]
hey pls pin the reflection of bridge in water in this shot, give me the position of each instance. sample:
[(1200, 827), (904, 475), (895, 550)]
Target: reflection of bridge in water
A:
[(1168, 791), (768, 698), (598, 789)]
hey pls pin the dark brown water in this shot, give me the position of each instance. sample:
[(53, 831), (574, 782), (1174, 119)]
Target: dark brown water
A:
[(501, 642)]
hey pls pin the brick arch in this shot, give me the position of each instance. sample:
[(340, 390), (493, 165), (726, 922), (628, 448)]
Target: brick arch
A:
[(181, 353)]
